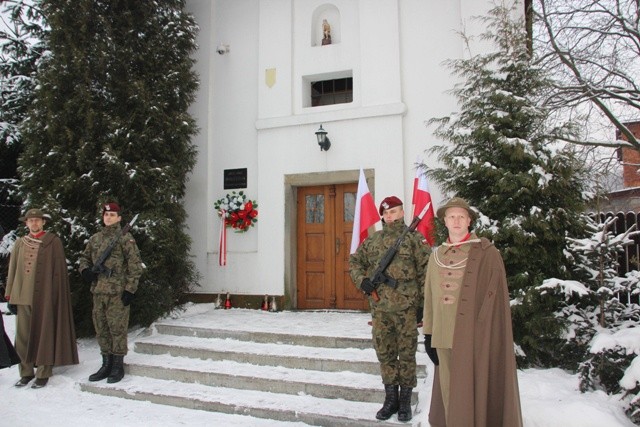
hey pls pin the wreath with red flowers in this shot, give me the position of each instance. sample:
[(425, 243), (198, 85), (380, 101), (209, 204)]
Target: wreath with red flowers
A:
[(240, 213)]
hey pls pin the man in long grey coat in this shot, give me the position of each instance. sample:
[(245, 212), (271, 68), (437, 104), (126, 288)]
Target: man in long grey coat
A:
[(467, 322), (38, 290)]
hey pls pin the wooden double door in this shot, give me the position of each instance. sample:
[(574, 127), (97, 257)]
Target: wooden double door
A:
[(325, 222)]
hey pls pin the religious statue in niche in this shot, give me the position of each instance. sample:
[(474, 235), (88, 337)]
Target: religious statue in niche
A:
[(326, 32)]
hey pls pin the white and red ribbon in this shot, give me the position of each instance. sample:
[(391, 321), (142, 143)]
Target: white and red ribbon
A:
[(222, 248)]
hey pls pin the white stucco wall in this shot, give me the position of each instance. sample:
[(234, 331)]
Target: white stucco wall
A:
[(393, 49)]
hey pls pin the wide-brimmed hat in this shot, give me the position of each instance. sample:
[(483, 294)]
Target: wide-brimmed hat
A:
[(388, 203), (457, 202), (34, 213)]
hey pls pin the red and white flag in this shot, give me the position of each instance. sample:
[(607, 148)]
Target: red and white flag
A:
[(222, 247), (422, 196), (366, 214)]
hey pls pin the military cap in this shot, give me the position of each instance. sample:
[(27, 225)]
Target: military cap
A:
[(110, 207), (388, 203), (457, 202), (34, 213)]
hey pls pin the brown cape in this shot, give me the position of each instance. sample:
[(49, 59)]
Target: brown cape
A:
[(52, 338), (484, 384)]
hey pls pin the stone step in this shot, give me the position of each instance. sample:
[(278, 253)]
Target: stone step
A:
[(290, 356), (345, 385), (256, 369), (292, 351), (265, 337), (304, 408)]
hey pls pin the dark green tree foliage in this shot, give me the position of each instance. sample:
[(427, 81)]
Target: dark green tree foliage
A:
[(111, 123), (21, 47), (501, 157)]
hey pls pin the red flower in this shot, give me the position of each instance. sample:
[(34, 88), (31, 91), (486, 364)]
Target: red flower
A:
[(239, 219)]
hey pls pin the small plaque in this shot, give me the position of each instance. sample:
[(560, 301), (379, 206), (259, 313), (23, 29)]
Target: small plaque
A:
[(235, 178)]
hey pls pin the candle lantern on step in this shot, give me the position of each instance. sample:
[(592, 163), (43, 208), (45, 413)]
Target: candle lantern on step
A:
[(218, 302), (273, 307), (265, 303), (227, 302)]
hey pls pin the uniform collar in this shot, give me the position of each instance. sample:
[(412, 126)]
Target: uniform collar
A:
[(112, 229), (395, 225)]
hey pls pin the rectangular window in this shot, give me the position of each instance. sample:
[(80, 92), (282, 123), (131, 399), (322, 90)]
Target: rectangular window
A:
[(330, 92), (314, 209)]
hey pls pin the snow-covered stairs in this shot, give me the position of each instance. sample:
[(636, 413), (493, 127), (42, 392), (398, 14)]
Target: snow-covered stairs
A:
[(313, 379)]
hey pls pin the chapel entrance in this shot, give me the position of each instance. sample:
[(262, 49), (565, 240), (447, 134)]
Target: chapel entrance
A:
[(325, 223)]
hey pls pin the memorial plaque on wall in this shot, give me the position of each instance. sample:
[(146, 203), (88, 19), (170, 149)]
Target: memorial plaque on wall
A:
[(235, 178)]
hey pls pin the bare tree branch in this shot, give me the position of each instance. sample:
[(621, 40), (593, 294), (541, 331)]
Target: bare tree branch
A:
[(593, 50)]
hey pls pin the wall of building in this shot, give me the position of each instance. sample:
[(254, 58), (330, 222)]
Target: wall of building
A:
[(631, 160), (254, 112)]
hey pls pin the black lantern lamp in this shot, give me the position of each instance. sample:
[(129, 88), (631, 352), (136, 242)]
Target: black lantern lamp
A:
[(323, 140)]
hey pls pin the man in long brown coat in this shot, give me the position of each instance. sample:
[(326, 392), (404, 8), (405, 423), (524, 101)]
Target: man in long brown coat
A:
[(38, 290), (467, 322)]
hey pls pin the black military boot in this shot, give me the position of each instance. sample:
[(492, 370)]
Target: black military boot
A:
[(117, 372), (105, 369), (404, 410), (390, 405)]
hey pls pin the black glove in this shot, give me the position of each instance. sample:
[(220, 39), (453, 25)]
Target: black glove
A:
[(419, 314), (12, 308), (127, 297), (367, 287), (431, 352), (88, 276)]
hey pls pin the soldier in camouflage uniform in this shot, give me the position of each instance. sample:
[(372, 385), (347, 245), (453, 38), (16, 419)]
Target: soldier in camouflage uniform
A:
[(394, 316), (112, 295)]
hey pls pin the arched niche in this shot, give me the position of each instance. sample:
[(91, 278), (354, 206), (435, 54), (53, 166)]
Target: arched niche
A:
[(331, 14)]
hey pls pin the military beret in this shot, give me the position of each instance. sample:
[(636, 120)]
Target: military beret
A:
[(110, 207), (388, 203)]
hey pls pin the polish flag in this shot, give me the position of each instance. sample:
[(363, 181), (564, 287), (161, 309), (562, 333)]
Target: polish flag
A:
[(422, 196), (366, 214)]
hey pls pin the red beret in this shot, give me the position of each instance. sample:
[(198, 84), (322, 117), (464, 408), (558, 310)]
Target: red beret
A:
[(110, 207), (388, 203)]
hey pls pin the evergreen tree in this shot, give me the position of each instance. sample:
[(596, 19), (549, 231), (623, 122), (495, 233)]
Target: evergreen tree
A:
[(501, 157), (602, 316), (110, 123), (22, 44)]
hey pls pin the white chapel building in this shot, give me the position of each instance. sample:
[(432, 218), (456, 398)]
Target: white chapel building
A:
[(270, 77)]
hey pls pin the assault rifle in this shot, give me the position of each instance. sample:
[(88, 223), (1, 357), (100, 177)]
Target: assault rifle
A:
[(98, 266), (380, 276)]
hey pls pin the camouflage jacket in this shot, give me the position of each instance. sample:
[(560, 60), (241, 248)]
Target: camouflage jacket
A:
[(408, 266), (124, 261)]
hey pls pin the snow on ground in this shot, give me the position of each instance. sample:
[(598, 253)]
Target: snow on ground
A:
[(550, 397)]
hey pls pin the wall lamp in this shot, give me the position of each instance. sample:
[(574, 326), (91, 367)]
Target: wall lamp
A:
[(323, 139)]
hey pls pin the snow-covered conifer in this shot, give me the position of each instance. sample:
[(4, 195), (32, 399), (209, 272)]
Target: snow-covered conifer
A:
[(110, 122), (502, 157)]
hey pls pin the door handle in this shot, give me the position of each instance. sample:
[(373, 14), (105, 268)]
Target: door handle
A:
[(337, 245)]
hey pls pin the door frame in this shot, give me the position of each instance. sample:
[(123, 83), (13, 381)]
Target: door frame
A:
[(291, 184)]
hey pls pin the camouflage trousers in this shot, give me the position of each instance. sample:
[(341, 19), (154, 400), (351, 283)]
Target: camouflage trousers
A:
[(395, 339), (111, 322)]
